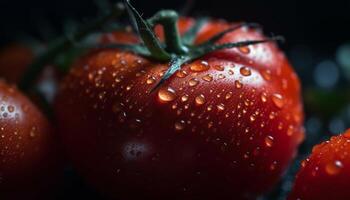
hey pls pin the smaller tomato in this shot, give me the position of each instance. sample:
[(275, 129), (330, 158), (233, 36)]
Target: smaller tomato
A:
[(14, 59), (28, 161), (325, 174)]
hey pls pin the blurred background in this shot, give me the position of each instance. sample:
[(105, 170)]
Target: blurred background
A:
[(317, 42)]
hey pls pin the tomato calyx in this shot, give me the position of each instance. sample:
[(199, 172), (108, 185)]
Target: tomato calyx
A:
[(177, 50)]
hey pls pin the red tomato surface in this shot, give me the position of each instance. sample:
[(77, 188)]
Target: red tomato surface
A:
[(325, 174), (28, 155), (224, 126)]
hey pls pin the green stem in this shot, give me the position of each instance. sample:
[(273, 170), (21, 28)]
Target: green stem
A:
[(62, 44), (168, 19)]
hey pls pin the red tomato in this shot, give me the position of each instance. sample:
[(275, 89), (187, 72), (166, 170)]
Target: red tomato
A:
[(28, 161), (13, 61), (226, 125), (325, 173)]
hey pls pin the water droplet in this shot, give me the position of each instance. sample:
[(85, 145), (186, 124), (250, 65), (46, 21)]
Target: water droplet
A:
[(221, 76), (199, 67), (266, 74), (193, 82), (207, 77), (166, 94), (252, 118), (184, 98), (181, 73), (228, 95), (278, 100), (200, 100), (334, 168), (244, 49), (269, 141), (245, 71), (150, 80), (238, 84), (264, 97), (219, 67), (180, 125), (220, 107), (11, 109)]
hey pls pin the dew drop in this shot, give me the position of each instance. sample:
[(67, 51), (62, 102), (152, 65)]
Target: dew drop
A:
[(181, 73), (11, 109), (180, 125), (200, 100), (220, 107), (264, 97), (207, 77), (199, 67), (252, 118), (245, 71), (269, 141), (266, 74), (193, 82), (150, 80), (238, 84), (278, 100), (219, 67), (166, 94), (184, 98), (221, 76), (334, 168), (228, 95), (244, 50)]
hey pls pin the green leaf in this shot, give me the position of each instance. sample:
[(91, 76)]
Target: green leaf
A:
[(218, 36), (175, 65), (190, 35), (203, 50), (147, 35)]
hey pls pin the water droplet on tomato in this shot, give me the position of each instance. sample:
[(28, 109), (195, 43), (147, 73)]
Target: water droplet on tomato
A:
[(263, 97), (334, 167), (238, 84), (228, 95), (266, 74), (220, 107), (278, 100), (199, 67), (245, 71), (166, 94), (184, 98), (207, 77), (150, 80), (181, 73), (193, 82), (200, 100), (219, 67), (180, 125), (11, 109), (244, 49), (269, 141)]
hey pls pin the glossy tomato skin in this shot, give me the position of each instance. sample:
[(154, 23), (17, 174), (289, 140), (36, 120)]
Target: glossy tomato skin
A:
[(325, 173), (226, 125), (28, 161)]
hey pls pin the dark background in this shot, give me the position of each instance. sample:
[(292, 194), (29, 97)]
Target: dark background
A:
[(317, 42), (312, 22)]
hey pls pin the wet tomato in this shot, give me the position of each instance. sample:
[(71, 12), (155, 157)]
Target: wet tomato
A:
[(28, 161), (225, 125), (325, 173)]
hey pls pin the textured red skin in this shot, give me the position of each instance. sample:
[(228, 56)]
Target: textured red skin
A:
[(319, 178), (123, 139), (28, 155)]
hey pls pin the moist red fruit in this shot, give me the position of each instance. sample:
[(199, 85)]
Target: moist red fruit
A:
[(14, 59), (325, 174), (28, 161), (226, 125)]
